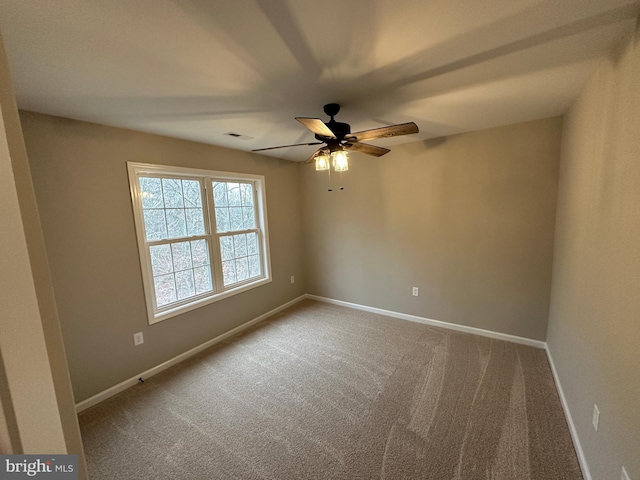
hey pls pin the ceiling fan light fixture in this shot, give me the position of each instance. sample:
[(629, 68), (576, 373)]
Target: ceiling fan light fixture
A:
[(337, 138), (340, 160), (322, 163)]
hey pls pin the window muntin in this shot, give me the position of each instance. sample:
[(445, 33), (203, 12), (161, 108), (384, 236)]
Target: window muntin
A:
[(201, 234), (235, 206), (173, 214), (236, 230), (172, 207), (240, 257), (181, 270)]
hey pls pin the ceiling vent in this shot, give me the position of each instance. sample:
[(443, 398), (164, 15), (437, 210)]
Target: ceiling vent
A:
[(238, 135)]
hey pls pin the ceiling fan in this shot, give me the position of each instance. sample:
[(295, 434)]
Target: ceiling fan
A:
[(338, 138)]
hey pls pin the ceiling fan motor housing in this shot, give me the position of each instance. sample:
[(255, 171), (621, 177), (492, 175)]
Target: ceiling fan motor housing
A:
[(331, 109), (339, 129)]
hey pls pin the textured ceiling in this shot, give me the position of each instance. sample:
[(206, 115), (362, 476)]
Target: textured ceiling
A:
[(199, 69)]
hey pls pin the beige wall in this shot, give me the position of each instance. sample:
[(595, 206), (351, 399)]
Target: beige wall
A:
[(6, 437), (80, 176), (38, 407), (594, 325), (468, 219)]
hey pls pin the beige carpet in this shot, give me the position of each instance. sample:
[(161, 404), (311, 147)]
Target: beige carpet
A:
[(326, 392)]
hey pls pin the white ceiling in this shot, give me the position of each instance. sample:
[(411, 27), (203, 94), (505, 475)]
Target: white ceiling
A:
[(198, 69)]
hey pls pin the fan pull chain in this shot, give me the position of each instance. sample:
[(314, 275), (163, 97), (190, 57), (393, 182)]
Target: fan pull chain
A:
[(330, 189)]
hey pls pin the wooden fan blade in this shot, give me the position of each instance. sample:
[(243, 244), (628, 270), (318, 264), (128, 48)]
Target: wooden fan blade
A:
[(285, 146), (317, 126), (366, 148), (383, 132), (313, 155)]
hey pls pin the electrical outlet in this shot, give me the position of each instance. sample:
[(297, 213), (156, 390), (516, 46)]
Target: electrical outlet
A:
[(624, 475), (415, 292), (596, 417), (138, 339), (293, 279)]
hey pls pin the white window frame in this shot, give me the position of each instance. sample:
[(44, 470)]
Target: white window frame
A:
[(206, 177)]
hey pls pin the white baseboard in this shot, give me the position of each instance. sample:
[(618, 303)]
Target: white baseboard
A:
[(567, 413), (436, 323), (89, 402), (130, 382), (109, 392), (485, 333)]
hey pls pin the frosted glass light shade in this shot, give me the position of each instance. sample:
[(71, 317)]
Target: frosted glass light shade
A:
[(322, 163), (340, 161)]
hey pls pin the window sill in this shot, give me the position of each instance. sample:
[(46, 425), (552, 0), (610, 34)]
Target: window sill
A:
[(179, 310)]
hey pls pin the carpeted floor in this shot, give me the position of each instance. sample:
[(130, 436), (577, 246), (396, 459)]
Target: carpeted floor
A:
[(325, 392)]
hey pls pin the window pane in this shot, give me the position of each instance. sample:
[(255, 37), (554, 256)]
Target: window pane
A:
[(181, 255), (228, 272), (178, 260), (233, 194), (235, 218), (248, 218), (241, 259), (226, 248), (222, 219), (151, 192), (172, 190), (247, 194), (202, 279), (161, 261), (199, 253), (240, 245), (240, 213), (242, 269), (185, 284), (165, 289), (154, 225), (220, 194), (195, 221), (164, 208), (254, 266), (252, 243), (176, 223), (191, 191)]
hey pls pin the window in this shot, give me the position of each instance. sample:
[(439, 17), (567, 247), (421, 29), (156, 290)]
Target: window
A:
[(202, 235)]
